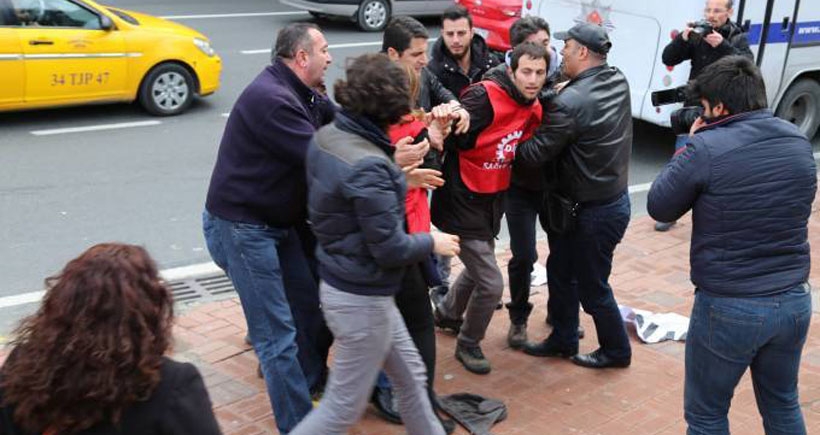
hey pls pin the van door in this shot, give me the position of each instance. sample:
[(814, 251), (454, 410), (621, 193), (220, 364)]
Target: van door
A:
[(771, 26), (11, 59)]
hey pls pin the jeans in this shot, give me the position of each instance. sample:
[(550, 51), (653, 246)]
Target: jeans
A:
[(262, 262), (578, 269), (522, 208), (726, 336), (369, 333)]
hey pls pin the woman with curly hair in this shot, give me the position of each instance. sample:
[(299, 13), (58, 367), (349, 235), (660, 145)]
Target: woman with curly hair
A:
[(91, 360), (356, 198)]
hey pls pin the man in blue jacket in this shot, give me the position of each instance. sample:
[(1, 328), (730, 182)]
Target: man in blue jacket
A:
[(749, 179), (255, 218)]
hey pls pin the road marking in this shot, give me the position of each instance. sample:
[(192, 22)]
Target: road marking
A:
[(637, 188), (331, 46), (226, 114), (99, 127), (241, 15), (21, 299)]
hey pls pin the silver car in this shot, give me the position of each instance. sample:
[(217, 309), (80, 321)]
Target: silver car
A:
[(370, 15)]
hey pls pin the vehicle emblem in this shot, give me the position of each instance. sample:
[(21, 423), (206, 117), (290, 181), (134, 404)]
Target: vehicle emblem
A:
[(593, 12)]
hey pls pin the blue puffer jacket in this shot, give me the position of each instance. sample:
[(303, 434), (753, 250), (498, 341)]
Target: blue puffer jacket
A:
[(750, 180), (356, 206)]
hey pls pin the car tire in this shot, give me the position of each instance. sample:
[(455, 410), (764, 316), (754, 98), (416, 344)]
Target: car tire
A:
[(373, 15), (167, 90), (800, 105)]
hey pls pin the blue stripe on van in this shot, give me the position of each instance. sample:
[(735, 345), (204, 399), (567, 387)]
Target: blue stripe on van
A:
[(804, 34)]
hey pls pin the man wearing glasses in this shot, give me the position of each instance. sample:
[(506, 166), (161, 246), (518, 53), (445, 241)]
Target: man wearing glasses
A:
[(703, 43)]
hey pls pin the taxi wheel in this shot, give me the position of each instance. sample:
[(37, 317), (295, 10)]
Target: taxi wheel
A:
[(373, 15), (167, 90)]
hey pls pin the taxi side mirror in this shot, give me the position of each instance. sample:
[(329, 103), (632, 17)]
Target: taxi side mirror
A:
[(106, 23)]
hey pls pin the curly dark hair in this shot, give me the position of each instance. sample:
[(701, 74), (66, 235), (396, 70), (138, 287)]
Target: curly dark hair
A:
[(376, 88), (95, 345)]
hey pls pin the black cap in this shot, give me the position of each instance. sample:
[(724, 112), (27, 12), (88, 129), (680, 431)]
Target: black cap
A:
[(591, 36)]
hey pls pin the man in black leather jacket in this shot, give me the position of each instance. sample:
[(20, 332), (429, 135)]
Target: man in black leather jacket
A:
[(587, 132)]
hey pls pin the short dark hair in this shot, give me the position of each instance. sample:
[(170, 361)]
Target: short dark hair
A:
[(531, 49), (375, 88), (400, 31), (734, 81), (292, 38), (457, 12), (524, 27)]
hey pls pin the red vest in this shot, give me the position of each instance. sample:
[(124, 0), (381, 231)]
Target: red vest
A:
[(487, 168)]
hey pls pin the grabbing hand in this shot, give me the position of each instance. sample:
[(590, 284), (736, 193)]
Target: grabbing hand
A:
[(445, 244), (463, 117), (408, 154), (424, 178)]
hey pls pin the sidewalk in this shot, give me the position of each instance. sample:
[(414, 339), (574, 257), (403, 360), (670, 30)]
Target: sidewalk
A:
[(544, 396)]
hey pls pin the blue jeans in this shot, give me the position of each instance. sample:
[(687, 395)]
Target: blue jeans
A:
[(262, 262), (728, 335), (578, 269)]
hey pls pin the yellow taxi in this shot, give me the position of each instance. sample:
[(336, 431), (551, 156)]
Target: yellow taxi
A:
[(68, 52)]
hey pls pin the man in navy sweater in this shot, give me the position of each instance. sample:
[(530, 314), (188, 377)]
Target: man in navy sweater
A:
[(749, 179), (255, 220)]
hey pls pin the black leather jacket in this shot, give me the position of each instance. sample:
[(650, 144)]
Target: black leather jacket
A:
[(587, 132), (449, 72), (432, 92)]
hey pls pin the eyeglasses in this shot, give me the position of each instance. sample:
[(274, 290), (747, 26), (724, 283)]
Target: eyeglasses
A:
[(714, 11)]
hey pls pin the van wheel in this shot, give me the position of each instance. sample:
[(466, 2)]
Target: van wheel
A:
[(373, 15), (801, 106), (318, 16), (167, 90)]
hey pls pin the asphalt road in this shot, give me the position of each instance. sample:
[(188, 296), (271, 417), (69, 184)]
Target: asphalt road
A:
[(62, 193)]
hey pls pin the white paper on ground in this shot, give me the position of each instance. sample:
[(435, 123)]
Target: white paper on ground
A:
[(539, 275), (656, 327)]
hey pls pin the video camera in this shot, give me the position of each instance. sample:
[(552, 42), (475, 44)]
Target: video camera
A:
[(682, 119)]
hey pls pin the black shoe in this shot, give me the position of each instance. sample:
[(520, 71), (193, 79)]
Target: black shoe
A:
[(440, 320), (599, 360), (581, 331), (472, 358), (548, 348), (382, 400)]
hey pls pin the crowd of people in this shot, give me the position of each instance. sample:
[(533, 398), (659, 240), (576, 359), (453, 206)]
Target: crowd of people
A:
[(321, 213)]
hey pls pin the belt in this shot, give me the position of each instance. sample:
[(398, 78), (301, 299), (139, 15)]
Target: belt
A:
[(605, 201)]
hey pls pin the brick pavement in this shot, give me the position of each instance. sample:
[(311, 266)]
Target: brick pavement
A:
[(544, 396)]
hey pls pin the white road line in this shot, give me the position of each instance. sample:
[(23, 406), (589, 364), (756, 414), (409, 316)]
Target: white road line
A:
[(226, 114), (637, 188), (99, 127), (241, 15), (331, 46), (21, 299)]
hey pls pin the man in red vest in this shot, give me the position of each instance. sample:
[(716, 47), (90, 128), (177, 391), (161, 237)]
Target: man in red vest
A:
[(477, 169)]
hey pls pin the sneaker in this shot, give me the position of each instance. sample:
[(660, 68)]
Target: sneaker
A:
[(472, 358), (664, 226), (517, 336)]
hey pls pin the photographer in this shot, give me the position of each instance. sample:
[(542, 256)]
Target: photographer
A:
[(749, 179), (708, 40), (703, 42)]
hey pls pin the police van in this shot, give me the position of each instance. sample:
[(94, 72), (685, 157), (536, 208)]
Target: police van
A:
[(784, 36)]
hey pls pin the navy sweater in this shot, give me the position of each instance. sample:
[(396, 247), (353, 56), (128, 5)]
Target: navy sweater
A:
[(259, 175), (750, 181)]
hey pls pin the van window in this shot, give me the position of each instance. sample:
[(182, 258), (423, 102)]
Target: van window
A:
[(54, 13)]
